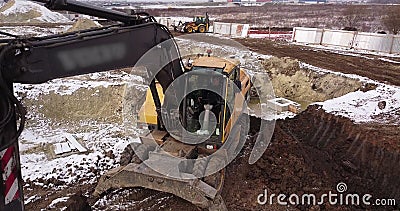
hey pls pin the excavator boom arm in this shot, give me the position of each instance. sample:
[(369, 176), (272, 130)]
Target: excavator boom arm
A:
[(39, 59), (90, 51)]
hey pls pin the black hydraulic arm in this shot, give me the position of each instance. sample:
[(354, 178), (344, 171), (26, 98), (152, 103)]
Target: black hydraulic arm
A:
[(36, 61), (83, 8), (39, 59)]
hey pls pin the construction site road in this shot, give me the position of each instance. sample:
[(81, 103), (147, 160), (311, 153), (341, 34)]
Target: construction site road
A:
[(376, 67)]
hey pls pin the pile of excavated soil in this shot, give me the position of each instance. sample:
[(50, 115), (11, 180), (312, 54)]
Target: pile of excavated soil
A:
[(311, 154), (303, 85), (28, 16), (82, 24), (102, 104), (19, 11)]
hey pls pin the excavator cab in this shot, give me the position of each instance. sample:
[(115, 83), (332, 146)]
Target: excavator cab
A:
[(199, 20), (209, 100)]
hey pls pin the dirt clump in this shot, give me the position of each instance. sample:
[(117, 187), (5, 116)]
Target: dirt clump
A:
[(311, 154), (82, 24), (78, 202), (284, 65)]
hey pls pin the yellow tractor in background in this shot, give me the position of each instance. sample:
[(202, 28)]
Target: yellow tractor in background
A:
[(199, 24)]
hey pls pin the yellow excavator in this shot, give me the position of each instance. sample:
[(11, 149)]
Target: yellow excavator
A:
[(194, 116), (199, 171)]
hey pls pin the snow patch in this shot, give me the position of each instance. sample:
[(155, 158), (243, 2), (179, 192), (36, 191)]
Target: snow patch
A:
[(363, 106), (58, 200), (23, 6)]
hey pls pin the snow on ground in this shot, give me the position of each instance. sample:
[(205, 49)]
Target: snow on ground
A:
[(39, 166), (363, 106), (24, 6), (58, 200), (35, 31), (69, 86), (103, 140), (389, 60)]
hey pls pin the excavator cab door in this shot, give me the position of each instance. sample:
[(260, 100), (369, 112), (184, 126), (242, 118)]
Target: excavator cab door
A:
[(203, 108)]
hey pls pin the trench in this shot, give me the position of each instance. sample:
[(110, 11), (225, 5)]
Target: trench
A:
[(306, 86)]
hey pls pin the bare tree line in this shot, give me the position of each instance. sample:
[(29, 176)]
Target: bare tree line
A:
[(385, 1), (354, 15)]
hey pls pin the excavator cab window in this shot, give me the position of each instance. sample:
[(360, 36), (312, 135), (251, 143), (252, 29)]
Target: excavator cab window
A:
[(203, 107), (199, 20)]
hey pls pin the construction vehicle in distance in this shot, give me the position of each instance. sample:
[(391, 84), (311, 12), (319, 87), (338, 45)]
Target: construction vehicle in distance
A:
[(199, 24), (170, 157)]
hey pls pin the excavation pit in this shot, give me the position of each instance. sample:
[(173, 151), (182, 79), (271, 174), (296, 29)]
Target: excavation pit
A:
[(305, 86)]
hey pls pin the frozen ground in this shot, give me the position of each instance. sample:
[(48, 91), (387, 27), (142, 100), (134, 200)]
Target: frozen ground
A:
[(380, 105), (104, 140), (35, 31), (45, 15)]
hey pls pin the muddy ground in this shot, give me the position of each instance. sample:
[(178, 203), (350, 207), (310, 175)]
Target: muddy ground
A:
[(310, 153), (369, 66)]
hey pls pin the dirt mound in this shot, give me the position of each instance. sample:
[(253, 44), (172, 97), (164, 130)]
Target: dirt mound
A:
[(311, 154), (102, 104), (19, 11), (82, 24), (304, 85)]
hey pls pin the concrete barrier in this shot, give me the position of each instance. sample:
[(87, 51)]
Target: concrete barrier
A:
[(307, 35), (222, 28), (373, 42), (231, 29), (338, 38), (396, 44), (385, 43)]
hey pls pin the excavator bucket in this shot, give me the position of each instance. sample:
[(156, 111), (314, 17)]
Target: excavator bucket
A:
[(168, 168), (134, 175)]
